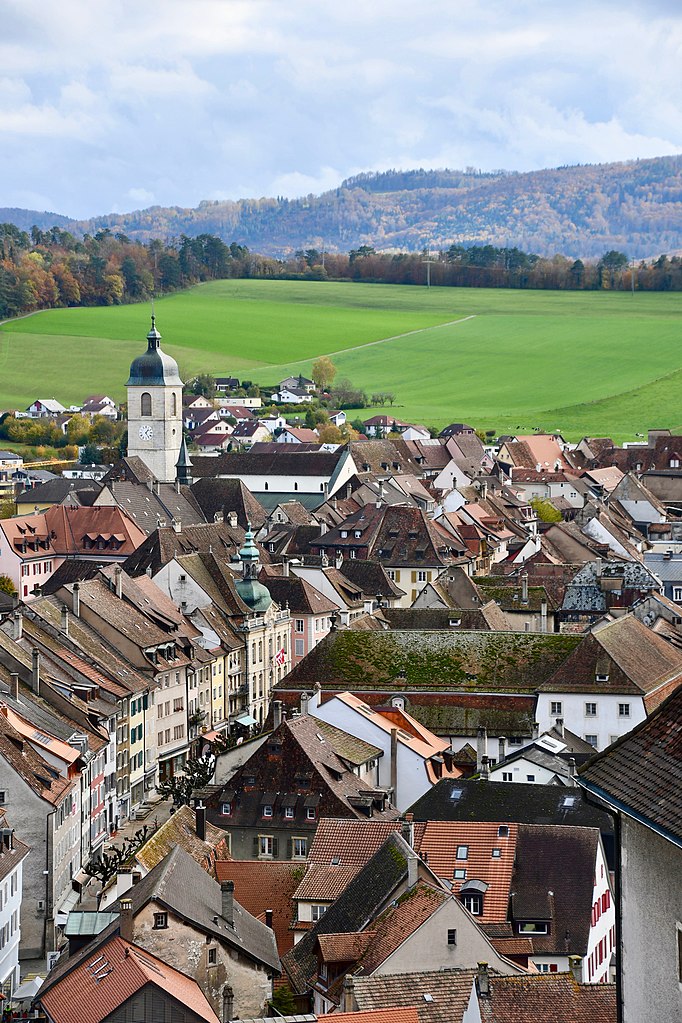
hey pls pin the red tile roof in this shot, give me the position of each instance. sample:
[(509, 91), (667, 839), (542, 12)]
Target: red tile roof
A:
[(403, 1014), (261, 885), (103, 981), (551, 998), (352, 842), (440, 842)]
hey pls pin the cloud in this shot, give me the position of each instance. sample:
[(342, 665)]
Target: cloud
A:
[(255, 97)]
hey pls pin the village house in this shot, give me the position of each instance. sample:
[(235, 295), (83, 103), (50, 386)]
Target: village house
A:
[(639, 780), (13, 852)]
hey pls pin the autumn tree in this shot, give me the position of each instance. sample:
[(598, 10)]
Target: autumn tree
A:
[(6, 585), (323, 372), (197, 773)]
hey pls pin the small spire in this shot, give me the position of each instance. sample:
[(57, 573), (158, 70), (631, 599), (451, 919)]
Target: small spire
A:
[(153, 337)]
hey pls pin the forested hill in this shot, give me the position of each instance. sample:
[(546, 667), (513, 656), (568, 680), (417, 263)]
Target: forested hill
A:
[(582, 211)]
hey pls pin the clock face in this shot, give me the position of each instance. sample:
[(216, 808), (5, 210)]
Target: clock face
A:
[(146, 432)]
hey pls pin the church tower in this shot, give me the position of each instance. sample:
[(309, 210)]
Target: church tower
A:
[(155, 409)]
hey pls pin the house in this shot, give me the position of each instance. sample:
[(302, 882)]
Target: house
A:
[(13, 852), (9, 464), (297, 435), (382, 425), (224, 384), (99, 405), (534, 451), (548, 883), (605, 587), (248, 433), (292, 395), (413, 757), (306, 770), (310, 611), (179, 911), (228, 500), (112, 978), (265, 889), (548, 760), (45, 408), (393, 913), (616, 676), (57, 491), (639, 781)]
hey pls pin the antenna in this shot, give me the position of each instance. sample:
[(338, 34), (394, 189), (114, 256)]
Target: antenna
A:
[(428, 262)]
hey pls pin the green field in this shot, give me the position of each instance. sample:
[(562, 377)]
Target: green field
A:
[(580, 362)]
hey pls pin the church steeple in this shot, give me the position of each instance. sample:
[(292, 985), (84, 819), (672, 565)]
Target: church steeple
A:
[(252, 592), (184, 466), (153, 337)]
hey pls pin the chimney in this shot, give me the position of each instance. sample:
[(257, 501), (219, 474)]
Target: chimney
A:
[(276, 713), (412, 869), (285, 568), (481, 746), (485, 769), (118, 581), (483, 980), (232, 519), (65, 620), (125, 919), (305, 700), (347, 995), (349, 491), (536, 729), (14, 686), (177, 486), (576, 965), (200, 817), (571, 772), (394, 765), (334, 619), (227, 891), (177, 525), (407, 829), (76, 600), (218, 517), (503, 749), (543, 616), (559, 726), (339, 559), (323, 527), (17, 625), (268, 918), (35, 671), (524, 587)]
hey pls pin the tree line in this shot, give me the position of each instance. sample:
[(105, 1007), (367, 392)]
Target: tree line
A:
[(52, 268)]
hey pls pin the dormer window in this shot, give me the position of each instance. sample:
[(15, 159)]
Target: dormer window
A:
[(602, 678), (534, 927), (357, 534), (344, 534), (471, 895)]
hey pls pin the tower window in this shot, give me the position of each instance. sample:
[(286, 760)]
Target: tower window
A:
[(145, 404), (174, 403)]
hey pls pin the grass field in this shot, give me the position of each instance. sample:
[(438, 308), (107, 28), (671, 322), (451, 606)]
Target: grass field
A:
[(581, 362)]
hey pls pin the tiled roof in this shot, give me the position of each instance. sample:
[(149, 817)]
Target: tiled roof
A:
[(325, 882), (166, 543), (285, 462), (440, 843), (345, 948), (393, 1015), (179, 883), (301, 595), (102, 981), (446, 618), (10, 857), (180, 829), (551, 998), (36, 772), (466, 661), (370, 577), (352, 842), (441, 996), (226, 495), (398, 922), (265, 884), (642, 772)]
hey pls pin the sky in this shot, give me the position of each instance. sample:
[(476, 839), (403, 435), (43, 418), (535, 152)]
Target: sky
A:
[(115, 105)]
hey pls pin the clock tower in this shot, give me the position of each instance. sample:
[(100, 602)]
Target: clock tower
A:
[(155, 409)]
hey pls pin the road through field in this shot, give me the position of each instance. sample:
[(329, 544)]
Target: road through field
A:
[(385, 340)]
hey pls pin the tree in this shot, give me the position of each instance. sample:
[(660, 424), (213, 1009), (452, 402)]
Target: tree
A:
[(197, 774), (6, 585), (545, 510), (203, 384), (7, 508), (323, 372), (330, 434), (108, 864), (90, 454), (283, 1001)]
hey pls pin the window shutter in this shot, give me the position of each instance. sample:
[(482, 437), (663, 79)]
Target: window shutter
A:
[(256, 846), (290, 848), (414, 577), (275, 847)]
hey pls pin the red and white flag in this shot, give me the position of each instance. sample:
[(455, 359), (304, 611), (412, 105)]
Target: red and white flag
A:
[(280, 657)]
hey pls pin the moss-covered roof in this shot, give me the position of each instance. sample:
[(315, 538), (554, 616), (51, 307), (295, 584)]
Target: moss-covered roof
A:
[(396, 661)]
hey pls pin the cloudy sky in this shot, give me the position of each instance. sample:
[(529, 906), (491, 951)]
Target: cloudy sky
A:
[(113, 105)]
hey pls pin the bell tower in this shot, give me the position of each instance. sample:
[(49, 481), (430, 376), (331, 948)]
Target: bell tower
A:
[(155, 409)]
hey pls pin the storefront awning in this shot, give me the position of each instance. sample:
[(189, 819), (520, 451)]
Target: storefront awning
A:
[(245, 719)]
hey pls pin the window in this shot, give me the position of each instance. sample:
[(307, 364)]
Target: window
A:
[(677, 593), (452, 935), (174, 410), (289, 813), (462, 852), (623, 710), (507, 776), (267, 810), (592, 739), (473, 901), (556, 707), (299, 625), (266, 845), (590, 710), (212, 956), (310, 813), (533, 928), (351, 554), (503, 831), (226, 809), (300, 848), (298, 647), (530, 777), (317, 912), (3, 797), (145, 404), (460, 874), (160, 921), (421, 577), (496, 853)]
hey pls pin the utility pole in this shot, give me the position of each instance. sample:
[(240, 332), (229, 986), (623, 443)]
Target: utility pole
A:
[(428, 262)]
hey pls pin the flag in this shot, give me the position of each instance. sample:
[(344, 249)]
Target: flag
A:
[(280, 657)]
